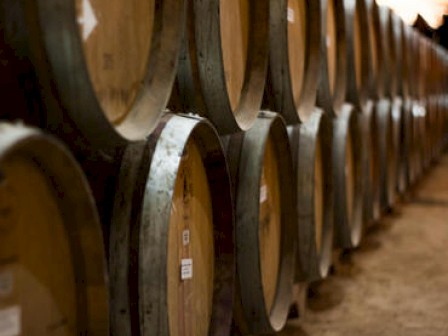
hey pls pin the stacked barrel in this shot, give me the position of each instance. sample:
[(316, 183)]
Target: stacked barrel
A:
[(175, 167)]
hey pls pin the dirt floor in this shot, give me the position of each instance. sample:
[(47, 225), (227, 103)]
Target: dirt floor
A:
[(396, 284)]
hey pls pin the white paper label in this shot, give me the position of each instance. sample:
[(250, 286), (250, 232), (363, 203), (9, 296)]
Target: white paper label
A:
[(263, 194), (88, 19), (290, 15), (186, 237), (6, 284), (328, 40), (10, 321), (186, 269)]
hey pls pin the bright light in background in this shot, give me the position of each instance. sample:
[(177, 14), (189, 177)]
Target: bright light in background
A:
[(431, 10)]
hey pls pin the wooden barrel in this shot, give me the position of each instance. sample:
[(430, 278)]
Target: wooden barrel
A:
[(266, 227), (376, 55), (333, 65), (347, 170), (358, 53), (105, 68), (223, 63), (171, 242), (389, 51), (52, 265), (398, 143), (294, 57), (387, 153), (311, 144), (371, 169)]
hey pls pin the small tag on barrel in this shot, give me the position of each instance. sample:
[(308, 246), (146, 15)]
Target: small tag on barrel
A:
[(186, 269), (291, 15)]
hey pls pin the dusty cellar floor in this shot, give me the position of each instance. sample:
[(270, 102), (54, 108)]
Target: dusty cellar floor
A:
[(396, 284)]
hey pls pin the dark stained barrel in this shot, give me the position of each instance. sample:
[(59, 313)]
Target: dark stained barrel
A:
[(223, 63), (387, 154), (376, 56), (52, 265), (311, 145), (294, 58), (371, 176), (347, 160), (358, 53), (266, 228), (172, 238), (333, 78), (105, 68)]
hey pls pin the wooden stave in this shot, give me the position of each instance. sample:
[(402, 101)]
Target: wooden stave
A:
[(86, 236), (279, 90), (357, 93), (371, 208), (313, 264), (181, 129), (333, 103), (249, 300), (202, 85), (348, 230), (43, 27)]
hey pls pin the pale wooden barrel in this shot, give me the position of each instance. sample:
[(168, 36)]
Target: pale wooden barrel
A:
[(311, 145), (347, 170), (105, 68), (266, 229), (52, 265), (171, 241), (333, 83), (294, 58), (223, 63)]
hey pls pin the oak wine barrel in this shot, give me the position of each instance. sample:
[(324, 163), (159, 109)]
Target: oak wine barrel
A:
[(104, 68), (294, 58), (52, 264), (389, 52), (377, 86), (266, 229), (223, 63), (347, 161), (387, 153), (171, 242), (371, 175), (311, 145), (333, 66), (358, 53)]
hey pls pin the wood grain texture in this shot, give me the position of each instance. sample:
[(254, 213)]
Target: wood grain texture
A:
[(190, 236), (117, 59), (52, 261)]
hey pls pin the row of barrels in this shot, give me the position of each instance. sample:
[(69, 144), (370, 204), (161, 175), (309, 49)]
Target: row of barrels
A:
[(187, 225), (108, 72)]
